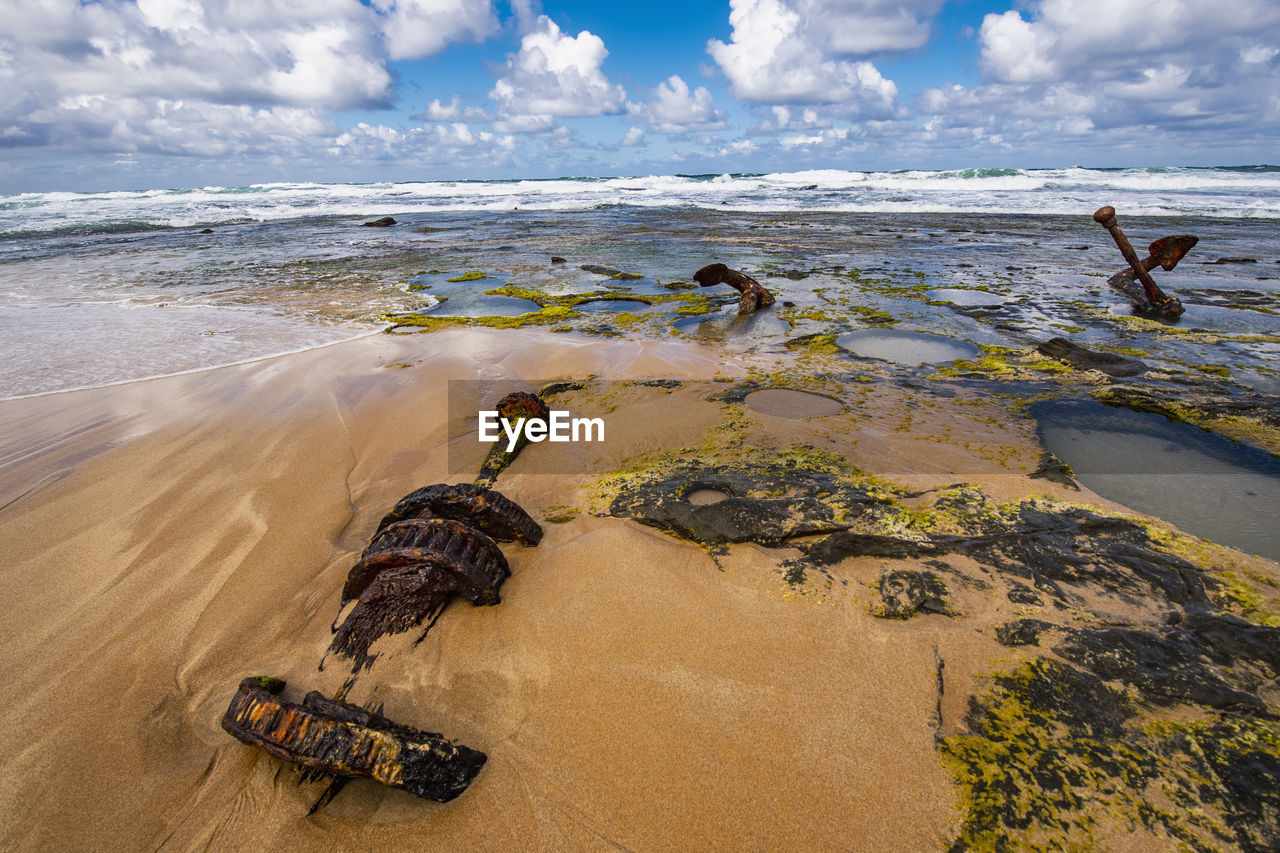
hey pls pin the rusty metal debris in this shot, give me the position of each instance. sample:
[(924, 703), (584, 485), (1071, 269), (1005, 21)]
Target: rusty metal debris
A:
[(1165, 253), (331, 738), (435, 544), (514, 407), (488, 511), (753, 294)]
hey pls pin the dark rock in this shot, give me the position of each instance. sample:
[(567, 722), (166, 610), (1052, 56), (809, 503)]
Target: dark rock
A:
[(1023, 632), (599, 269), (206, 230), (904, 592), (556, 259), (1053, 549), (844, 544), (750, 513), (1233, 261), (384, 222), (1055, 470), (793, 275), (809, 187), (1020, 594), (1166, 669), (678, 285), (1086, 359)]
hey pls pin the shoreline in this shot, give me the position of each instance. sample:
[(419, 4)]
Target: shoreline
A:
[(633, 688)]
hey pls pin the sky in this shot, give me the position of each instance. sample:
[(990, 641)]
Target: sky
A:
[(133, 94)]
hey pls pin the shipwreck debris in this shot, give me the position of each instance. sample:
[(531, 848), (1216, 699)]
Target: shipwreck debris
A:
[(516, 407), (490, 512), (1165, 253), (436, 543), (332, 738), (753, 294)]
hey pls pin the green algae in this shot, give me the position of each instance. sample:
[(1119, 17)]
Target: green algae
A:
[(1055, 755), (431, 323), (842, 313), (474, 275), (1235, 427), (823, 343), (560, 514), (1002, 362)]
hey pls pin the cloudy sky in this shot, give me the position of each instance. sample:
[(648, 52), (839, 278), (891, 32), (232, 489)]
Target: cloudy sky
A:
[(150, 93)]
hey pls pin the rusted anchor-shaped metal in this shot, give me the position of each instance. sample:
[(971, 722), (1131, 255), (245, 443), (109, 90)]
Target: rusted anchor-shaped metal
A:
[(1165, 253)]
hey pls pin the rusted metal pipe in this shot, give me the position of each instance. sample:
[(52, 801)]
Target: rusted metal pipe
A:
[(1170, 306)]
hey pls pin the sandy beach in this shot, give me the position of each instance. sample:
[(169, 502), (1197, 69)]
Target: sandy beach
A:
[(164, 539)]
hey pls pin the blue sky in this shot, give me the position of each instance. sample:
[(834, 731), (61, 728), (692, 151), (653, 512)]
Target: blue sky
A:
[(149, 93)]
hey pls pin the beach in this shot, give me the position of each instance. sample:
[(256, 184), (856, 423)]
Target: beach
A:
[(944, 636)]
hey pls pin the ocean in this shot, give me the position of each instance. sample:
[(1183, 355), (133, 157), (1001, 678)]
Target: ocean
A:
[(100, 288)]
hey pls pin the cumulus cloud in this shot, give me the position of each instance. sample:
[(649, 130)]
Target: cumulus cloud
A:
[(784, 52), (453, 111), (633, 136), (674, 109), (454, 143), (417, 28), (784, 118), (867, 27), (188, 77), (554, 75), (1067, 71)]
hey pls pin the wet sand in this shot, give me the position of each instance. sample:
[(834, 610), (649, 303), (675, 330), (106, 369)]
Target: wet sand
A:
[(164, 539)]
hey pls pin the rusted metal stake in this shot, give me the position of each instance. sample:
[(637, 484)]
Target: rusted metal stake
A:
[(1167, 305)]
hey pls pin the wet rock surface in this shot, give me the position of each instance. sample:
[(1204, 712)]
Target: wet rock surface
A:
[(768, 503), (904, 593), (1058, 550), (1086, 359)]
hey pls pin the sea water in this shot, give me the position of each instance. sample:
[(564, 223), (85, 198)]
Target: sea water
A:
[(107, 287)]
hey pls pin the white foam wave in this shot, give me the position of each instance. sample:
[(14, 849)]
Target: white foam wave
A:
[(1169, 192)]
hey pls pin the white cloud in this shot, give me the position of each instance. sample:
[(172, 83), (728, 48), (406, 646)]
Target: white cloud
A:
[(867, 27), (778, 55), (554, 76), (86, 76), (418, 28), (1120, 75), (785, 118), (674, 109), (453, 111), (633, 136)]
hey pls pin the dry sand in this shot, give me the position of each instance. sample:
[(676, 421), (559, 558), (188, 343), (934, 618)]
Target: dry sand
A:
[(162, 540)]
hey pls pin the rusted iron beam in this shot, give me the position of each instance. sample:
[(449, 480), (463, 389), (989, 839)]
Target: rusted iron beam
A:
[(515, 406), (328, 737), (753, 294), (1159, 302)]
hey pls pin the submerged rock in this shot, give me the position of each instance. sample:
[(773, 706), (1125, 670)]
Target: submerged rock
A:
[(1086, 359), (384, 222)]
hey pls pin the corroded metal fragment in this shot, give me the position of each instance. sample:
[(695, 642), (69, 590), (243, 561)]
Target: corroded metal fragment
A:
[(436, 543), (753, 294), (1165, 252), (484, 509), (462, 550), (514, 408), (330, 737)]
